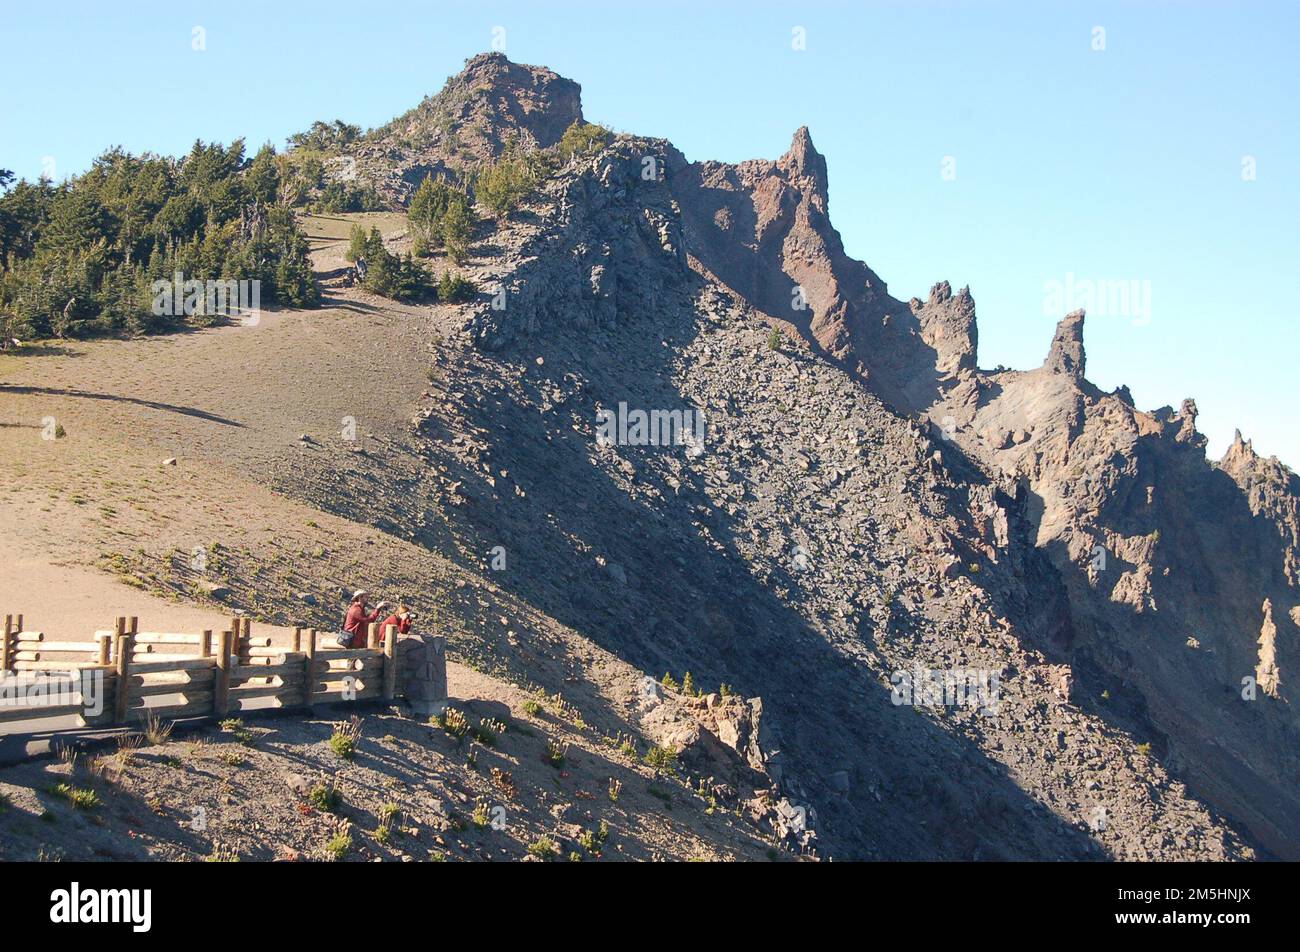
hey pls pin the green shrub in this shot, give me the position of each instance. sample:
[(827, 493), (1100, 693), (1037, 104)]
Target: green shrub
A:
[(455, 289), (338, 846), (399, 277), (81, 798), (594, 840), (544, 847), (356, 243), (441, 218), (344, 739), (582, 138), (339, 197), (453, 722), (661, 759), (505, 184), (556, 752), (325, 797)]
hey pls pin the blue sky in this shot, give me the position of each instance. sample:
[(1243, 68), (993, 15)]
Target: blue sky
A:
[(1122, 164)]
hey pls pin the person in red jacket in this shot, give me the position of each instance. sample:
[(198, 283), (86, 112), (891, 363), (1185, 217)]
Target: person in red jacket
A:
[(355, 626), (401, 620)]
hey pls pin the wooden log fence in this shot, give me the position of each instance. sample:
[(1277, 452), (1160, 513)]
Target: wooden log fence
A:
[(150, 674)]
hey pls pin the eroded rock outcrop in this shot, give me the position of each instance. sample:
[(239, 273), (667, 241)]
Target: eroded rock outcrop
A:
[(1066, 355), (1266, 671)]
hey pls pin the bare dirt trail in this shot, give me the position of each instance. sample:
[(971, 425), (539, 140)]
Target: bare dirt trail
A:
[(67, 603)]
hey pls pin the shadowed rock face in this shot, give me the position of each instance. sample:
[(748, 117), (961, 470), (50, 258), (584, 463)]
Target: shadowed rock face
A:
[(1273, 493), (1031, 520)]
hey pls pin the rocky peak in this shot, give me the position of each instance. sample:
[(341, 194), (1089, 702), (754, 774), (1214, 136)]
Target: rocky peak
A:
[(1239, 455), (488, 107), (532, 102), (806, 167), (1066, 355)]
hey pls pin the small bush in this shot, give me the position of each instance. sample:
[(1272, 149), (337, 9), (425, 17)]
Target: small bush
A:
[(594, 840), (325, 797), (440, 217), (344, 739), (583, 138), (453, 722), (156, 732), (338, 846), (81, 798), (456, 289), (488, 730), (661, 759), (399, 277), (556, 751), (505, 184), (504, 781), (669, 682), (544, 848), (384, 831), (615, 790)]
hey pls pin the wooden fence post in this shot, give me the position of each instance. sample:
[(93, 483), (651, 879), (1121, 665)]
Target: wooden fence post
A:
[(297, 640), (11, 643), (390, 662), (372, 635), (105, 648), (309, 685), (221, 693), (123, 650), (243, 631), (6, 652), (205, 643)]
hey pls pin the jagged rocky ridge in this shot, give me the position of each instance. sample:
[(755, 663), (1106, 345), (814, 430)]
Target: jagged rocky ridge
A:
[(868, 501)]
